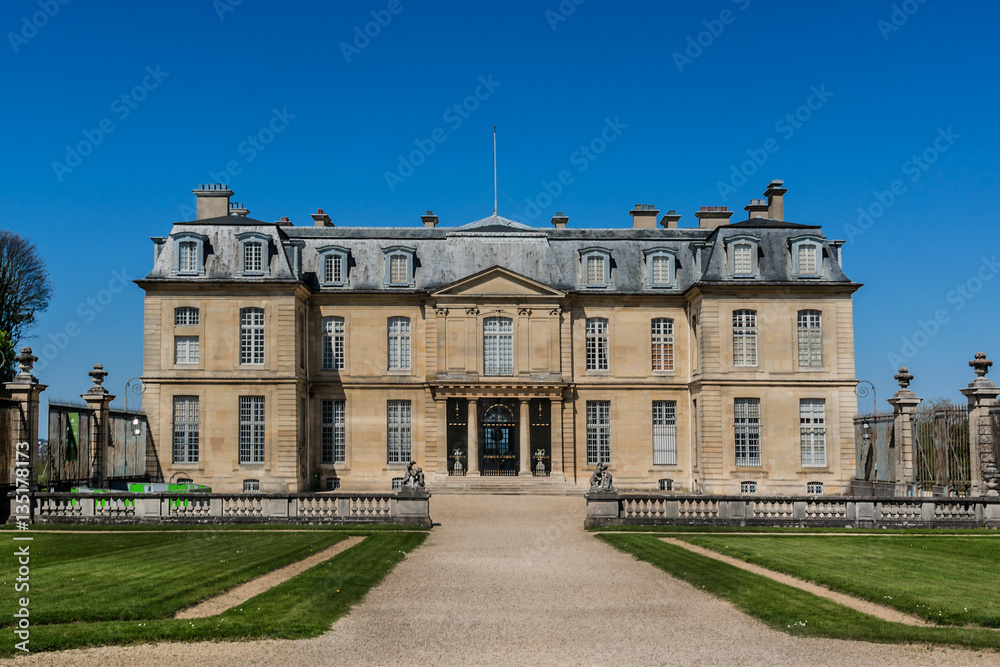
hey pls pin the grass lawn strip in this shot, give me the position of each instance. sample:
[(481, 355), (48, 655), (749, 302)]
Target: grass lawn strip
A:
[(244, 592), (304, 606), (864, 606), (947, 581), (788, 609)]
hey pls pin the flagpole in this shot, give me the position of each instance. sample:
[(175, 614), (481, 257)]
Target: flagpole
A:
[(494, 170)]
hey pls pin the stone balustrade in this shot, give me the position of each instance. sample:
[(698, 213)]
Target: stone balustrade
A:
[(211, 508), (620, 509)]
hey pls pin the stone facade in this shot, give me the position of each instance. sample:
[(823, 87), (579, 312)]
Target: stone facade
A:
[(492, 342)]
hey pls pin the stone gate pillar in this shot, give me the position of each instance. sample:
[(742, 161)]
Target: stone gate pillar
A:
[(26, 391), (904, 403), (99, 400), (982, 395)]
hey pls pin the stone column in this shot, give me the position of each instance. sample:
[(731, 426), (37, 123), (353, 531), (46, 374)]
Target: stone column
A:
[(982, 395), (473, 438), (904, 403), (26, 390), (524, 437), (99, 400), (556, 437)]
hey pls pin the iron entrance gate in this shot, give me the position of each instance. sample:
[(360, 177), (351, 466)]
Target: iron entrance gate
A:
[(498, 441), (941, 451)]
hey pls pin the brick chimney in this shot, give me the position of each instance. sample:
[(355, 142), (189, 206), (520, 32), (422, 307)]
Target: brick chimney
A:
[(284, 222), (644, 216), (321, 219), (559, 221), (710, 217), (212, 200), (757, 208), (669, 220), (235, 208), (775, 200), (429, 220)]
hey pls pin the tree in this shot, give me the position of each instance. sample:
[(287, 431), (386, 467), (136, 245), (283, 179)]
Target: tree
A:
[(25, 290)]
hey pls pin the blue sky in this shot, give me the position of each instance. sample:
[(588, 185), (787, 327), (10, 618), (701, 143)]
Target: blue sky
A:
[(114, 111)]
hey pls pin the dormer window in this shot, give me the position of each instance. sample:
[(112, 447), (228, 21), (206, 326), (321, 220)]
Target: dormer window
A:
[(661, 268), (333, 266), (595, 268), (807, 257), (399, 263), (254, 258), (189, 254), (742, 260)]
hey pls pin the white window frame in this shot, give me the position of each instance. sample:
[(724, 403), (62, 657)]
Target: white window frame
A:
[(329, 257), (187, 351), (334, 337), (662, 341), (399, 432), (603, 281), (810, 338), (253, 430), (738, 241), (800, 242), (745, 338), (746, 432), (333, 431), (199, 253), (598, 432), (409, 255), (186, 430), (186, 316), (664, 433), (246, 240), (597, 344), (398, 344), (498, 346), (668, 255), (814, 488), (251, 486), (812, 432), (748, 488), (253, 337)]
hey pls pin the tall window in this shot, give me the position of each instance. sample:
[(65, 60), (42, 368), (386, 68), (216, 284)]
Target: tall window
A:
[(810, 338), (333, 344), (186, 350), (746, 418), (251, 429), (253, 257), (185, 317), (598, 432), (812, 431), (743, 259), (663, 344), (595, 268), (252, 336), (334, 268), (399, 432), (694, 429), (188, 260), (498, 346), (185, 429), (399, 343), (332, 437), (597, 344), (807, 259), (744, 338), (664, 433)]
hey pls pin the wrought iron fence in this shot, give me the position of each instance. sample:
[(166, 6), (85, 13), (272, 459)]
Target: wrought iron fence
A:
[(873, 445), (941, 450), (995, 424), (12, 429)]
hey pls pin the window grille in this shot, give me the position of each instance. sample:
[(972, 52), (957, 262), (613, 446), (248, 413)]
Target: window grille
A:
[(661, 270), (252, 336), (253, 257), (251, 485), (810, 338), (748, 487), (186, 350), (333, 343), (334, 268), (498, 346), (743, 259), (663, 344), (399, 270), (597, 344), (665, 433), (807, 259), (185, 317), (188, 260), (333, 429), (746, 419), (399, 431), (186, 433), (812, 431), (744, 338), (332, 483), (666, 485), (814, 488), (598, 432), (399, 343), (251, 429)]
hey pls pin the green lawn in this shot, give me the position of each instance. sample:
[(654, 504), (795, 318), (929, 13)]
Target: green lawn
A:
[(785, 608), (304, 606), (948, 580)]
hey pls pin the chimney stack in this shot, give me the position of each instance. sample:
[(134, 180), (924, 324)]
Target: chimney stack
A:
[(429, 220), (559, 221), (284, 222), (235, 208), (757, 208), (212, 200), (775, 200), (669, 220), (644, 216), (321, 219), (710, 217)]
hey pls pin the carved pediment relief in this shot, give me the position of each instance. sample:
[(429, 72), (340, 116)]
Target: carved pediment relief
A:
[(498, 281)]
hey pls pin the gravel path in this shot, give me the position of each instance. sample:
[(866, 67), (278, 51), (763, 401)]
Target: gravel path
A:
[(514, 580)]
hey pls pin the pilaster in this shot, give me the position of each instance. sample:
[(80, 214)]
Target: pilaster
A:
[(904, 403), (26, 391)]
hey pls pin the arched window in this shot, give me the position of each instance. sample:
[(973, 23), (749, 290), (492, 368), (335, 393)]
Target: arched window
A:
[(498, 346), (254, 257)]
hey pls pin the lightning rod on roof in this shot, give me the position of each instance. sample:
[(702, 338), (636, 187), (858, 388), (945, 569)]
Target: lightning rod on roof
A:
[(494, 170)]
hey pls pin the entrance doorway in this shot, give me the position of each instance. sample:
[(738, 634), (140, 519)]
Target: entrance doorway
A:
[(498, 441)]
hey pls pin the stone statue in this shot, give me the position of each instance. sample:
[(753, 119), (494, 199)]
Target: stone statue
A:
[(418, 481), (606, 484), (601, 479), (414, 479), (595, 479)]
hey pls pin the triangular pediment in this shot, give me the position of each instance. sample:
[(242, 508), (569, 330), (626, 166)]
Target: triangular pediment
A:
[(498, 281)]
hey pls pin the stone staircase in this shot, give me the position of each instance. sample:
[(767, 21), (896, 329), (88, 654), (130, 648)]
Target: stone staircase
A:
[(519, 486)]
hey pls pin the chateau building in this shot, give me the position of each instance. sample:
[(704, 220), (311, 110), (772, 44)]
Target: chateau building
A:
[(717, 358)]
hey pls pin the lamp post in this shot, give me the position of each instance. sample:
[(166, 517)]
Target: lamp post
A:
[(862, 390)]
